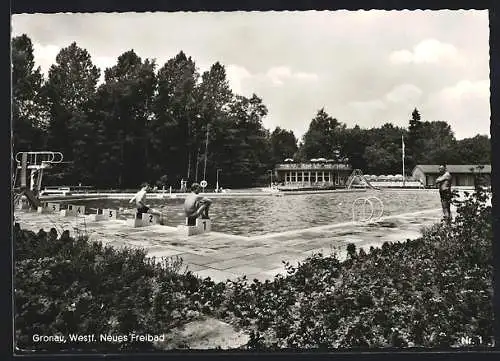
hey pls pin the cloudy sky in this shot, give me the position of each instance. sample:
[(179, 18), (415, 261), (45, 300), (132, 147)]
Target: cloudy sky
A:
[(363, 67)]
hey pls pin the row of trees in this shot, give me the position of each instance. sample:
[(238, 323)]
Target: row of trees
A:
[(149, 123), (379, 150)]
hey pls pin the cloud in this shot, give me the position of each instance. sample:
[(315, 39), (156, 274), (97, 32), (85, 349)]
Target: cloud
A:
[(45, 55), (279, 74), (306, 76), (391, 107), (366, 113), (466, 89), (464, 105), (405, 93), (236, 75), (103, 62), (427, 51), (368, 106)]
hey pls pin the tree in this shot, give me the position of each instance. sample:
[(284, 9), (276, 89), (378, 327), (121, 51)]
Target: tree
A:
[(124, 102), (214, 99), (415, 118), (383, 155), (476, 150), (323, 138), (439, 143), (255, 147), (284, 144), (414, 139), (354, 144), (69, 91), (429, 142), (175, 109), (29, 117), (240, 144)]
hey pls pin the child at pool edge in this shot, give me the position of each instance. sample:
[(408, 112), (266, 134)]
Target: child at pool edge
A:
[(196, 205), (140, 198)]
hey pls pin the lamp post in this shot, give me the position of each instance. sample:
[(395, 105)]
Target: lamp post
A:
[(217, 184)]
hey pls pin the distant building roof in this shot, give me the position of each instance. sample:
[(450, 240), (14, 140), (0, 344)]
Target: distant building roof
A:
[(455, 168)]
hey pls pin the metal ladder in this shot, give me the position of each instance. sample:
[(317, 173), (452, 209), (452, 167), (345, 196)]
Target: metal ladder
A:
[(368, 201)]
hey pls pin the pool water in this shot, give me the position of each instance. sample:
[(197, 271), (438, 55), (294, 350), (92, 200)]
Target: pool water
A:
[(267, 214)]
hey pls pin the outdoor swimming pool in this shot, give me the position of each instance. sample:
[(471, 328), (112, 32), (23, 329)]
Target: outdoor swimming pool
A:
[(267, 214)]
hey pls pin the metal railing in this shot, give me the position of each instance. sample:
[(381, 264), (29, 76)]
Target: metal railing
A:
[(373, 217), (39, 158)]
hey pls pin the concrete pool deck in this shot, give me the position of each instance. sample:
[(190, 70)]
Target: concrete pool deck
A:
[(222, 256)]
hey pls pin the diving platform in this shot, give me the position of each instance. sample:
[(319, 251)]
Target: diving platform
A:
[(32, 164)]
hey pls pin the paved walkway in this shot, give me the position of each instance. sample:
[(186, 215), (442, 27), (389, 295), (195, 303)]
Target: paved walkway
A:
[(224, 256)]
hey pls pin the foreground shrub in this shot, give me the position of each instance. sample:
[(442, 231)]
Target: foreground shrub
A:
[(72, 286)]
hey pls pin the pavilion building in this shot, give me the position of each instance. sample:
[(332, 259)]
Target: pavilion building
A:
[(317, 173)]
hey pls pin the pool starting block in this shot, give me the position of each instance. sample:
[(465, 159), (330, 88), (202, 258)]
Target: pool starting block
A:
[(143, 220), (48, 207), (111, 213), (43, 208), (99, 215), (201, 226), (104, 214), (73, 210)]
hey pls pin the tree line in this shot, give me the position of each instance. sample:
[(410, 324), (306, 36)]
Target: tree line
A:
[(150, 123), (379, 150)]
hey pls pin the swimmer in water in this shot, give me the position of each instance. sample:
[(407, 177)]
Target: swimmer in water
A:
[(140, 201), (196, 205)]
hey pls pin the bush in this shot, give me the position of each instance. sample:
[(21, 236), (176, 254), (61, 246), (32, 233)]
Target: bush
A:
[(72, 286)]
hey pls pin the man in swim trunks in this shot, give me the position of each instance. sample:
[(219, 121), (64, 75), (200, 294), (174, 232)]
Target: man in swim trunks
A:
[(444, 184), (140, 202), (196, 205)]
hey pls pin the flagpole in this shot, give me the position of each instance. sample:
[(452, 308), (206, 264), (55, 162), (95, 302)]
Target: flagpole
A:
[(206, 149), (403, 146)]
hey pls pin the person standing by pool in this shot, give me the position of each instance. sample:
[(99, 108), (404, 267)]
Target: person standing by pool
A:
[(140, 201), (196, 205), (183, 185), (444, 184)]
